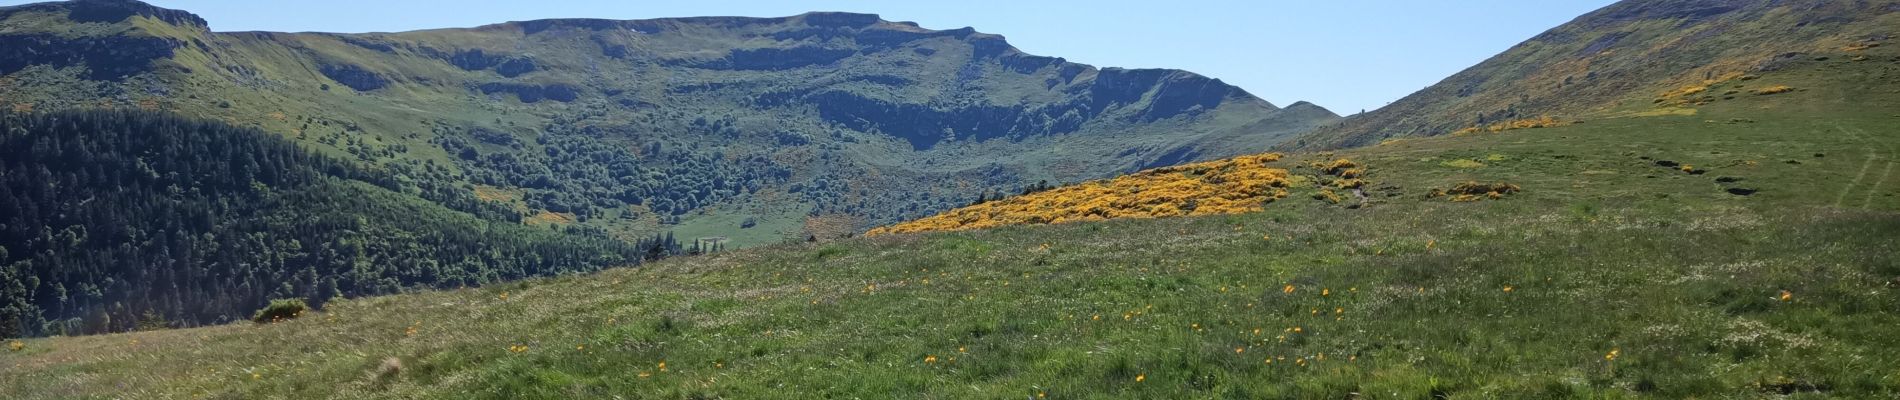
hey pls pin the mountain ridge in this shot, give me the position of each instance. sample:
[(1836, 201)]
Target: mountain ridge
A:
[(889, 109)]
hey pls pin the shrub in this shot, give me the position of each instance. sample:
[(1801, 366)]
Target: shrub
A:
[(1776, 89), (1473, 191), (279, 310)]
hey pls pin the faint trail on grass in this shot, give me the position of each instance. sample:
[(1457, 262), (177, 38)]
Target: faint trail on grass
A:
[(1869, 202), (1873, 156)]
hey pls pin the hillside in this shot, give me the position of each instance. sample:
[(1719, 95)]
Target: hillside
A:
[(1236, 185), (747, 128), (1833, 53), (115, 221), (1632, 57), (1616, 272)]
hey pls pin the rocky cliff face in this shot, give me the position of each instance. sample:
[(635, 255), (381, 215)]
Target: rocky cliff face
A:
[(878, 120)]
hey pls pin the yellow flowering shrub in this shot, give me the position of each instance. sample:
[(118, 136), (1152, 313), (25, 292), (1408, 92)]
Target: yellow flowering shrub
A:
[(1545, 121), (1697, 93), (1235, 185), (1776, 89)]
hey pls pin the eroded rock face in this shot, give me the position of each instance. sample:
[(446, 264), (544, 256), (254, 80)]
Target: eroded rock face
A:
[(516, 66), (119, 10), (106, 58), (772, 59), (924, 126), (353, 76), (1174, 92), (473, 60)]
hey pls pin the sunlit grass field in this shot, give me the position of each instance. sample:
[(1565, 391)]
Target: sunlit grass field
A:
[(1611, 275)]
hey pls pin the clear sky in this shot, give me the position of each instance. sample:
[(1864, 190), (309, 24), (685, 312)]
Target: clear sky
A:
[(1346, 55)]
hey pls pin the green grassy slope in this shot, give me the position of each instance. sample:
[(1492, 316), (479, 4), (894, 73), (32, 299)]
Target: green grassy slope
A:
[(772, 118), (1623, 58), (1608, 276)]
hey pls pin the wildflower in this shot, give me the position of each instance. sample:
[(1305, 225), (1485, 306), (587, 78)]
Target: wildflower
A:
[(579, 347), (16, 345), (1141, 377), (1508, 288), (1298, 330), (504, 295), (1223, 289), (1266, 237), (1128, 316), (1339, 310), (930, 359), (1325, 292), (1195, 326), (1288, 289), (662, 366), (644, 374), (719, 365), (1097, 317), (1612, 355), (1429, 244), (1238, 350), (1787, 296), (961, 349), (256, 376), (1256, 331)]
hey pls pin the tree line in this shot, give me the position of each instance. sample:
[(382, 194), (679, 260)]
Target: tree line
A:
[(115, 220)]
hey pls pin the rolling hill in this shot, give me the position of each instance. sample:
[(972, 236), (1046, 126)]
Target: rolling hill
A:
[(1689, 232), (745, 128), (1632, 57), (1613, 273)]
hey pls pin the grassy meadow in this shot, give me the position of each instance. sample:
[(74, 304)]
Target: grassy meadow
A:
[(1614, 273)]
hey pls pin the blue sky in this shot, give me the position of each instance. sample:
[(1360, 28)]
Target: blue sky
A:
[(1346, 55)]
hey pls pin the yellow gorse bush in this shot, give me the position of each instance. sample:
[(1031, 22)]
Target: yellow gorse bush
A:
[(1545, 121), (1230, 186), (1776, 89)]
